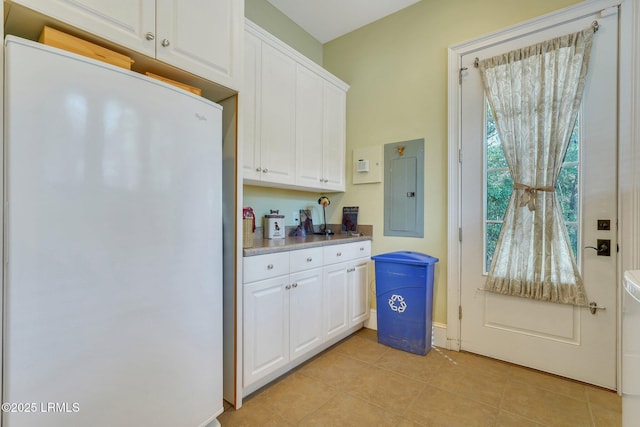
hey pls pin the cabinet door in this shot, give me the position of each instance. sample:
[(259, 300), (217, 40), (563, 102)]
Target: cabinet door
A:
[(306, 330), (335, 299), (202, 37), (334, 134), (249, 100), (359, 291), (277, 105), (124, 22), (309, 87), (266, 327)]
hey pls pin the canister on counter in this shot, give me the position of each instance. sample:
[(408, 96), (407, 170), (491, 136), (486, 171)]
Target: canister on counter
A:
[(248, 227), (273, 226)]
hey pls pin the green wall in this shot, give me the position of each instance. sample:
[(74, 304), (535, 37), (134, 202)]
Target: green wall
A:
[(397, 69), (271, 19)]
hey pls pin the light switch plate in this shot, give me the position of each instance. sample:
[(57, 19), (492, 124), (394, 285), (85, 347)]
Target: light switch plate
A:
[(296, 217)]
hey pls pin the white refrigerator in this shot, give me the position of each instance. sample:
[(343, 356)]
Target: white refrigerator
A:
[(112, 272)]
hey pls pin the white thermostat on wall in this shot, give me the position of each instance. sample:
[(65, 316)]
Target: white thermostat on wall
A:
[(367, 165), (362, 165)]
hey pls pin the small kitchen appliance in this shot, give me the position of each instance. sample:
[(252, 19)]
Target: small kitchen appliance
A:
[(274, 226)]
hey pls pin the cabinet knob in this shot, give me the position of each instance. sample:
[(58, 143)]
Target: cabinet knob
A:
[(150, 36), (309, 259), (362, 249), (265, 170), (294, 285), (287, 287), (165, 43), (270, 267), (351, 270), (326, 180), (258, 169), (339, 254)]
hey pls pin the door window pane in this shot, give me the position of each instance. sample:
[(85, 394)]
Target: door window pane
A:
[(499, 188), (499, 185), (567, 192)]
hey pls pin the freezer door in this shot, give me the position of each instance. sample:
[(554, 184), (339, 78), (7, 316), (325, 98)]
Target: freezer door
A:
[(113, 292)]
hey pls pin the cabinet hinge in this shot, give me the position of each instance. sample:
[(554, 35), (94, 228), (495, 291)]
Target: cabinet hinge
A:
[(460, 234), (459, 312)]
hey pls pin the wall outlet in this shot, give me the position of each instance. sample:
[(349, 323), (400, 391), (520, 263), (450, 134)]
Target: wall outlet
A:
[(296, 218)]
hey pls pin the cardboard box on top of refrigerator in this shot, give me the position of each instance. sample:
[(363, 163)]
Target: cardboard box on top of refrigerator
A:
[(55, 38)]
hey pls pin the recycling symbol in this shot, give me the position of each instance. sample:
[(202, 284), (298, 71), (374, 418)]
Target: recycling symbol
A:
[(396, 303)]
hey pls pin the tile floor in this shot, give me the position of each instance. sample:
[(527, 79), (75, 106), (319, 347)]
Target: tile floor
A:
[(359, 382)]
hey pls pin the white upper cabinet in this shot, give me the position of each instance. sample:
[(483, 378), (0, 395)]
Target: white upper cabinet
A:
[(293, 118), (333, 137), (197, 36), (122, 21), (267, 103), (309, 144), (202, 37), (320, 132), (277, 115), (248, 104)]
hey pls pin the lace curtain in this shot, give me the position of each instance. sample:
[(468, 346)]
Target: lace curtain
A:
[(535, 95)]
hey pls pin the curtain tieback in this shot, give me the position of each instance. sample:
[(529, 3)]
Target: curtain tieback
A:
[(529, 194)]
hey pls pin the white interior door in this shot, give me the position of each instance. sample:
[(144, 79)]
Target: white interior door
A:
[(557, 338)]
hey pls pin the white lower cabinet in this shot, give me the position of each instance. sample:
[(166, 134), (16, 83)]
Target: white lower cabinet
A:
[(346, 285), (358, 282), (290, 317), (336, 293), (266, 327), (306, 330)]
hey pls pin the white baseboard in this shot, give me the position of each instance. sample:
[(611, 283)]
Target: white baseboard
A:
[(372, 321), (439, 329)]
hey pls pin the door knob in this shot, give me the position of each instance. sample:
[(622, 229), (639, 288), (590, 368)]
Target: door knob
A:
[(603, 248)]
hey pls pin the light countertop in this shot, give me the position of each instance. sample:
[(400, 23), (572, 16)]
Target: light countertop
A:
[(267, 246)]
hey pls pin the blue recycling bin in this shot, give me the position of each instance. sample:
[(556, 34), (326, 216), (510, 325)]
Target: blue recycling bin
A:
[(404, 297)]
